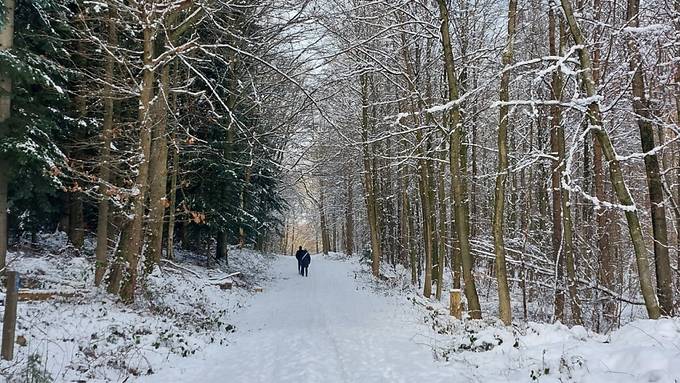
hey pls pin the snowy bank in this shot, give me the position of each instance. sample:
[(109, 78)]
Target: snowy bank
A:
[(487, 351), (91, 337)]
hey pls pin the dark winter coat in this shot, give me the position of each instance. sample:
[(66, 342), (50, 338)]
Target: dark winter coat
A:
[(306, 259), (299, 254)]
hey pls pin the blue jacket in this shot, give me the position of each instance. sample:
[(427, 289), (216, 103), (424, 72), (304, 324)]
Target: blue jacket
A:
[(299, 254), (306, 259)]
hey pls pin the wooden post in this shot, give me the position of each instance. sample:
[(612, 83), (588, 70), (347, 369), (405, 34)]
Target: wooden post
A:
[(10, 320), (454, 296)]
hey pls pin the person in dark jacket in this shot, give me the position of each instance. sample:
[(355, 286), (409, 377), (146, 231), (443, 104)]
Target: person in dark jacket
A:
[(298, 256), (305, 260)]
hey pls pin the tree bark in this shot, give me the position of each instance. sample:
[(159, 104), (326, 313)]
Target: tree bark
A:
[(441, 233), (368, 179), (349, 218), (460, 210), (102, 248), (555, 121), (6, 43), (606, 259), (505, 310), (615, 174), (170, 251), (325, 240), (127, 256), (242, 203), (424, 174), (158, 173), (664, 278)]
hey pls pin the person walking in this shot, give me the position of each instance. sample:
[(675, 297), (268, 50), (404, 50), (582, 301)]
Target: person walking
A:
[(298, 256), (305, 260)]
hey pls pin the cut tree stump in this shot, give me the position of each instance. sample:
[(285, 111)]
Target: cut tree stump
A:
[(454, 299)]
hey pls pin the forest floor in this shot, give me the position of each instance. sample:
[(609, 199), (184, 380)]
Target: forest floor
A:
[(337, 325)]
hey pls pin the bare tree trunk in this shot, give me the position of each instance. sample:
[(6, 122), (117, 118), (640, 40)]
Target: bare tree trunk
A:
[(505, 310), (158, 174), (368, 180), (555, 122), (325, 240), (242, 199), (567, 232), (349, 219), (441, 234), (170, 251), (423, 186), (424, 174), (334, 237), (456, 263), (407, 232), (127, 257), (6, 43), (105, 157), (606, 261), (622, 192), (460, 210), (677, 121), (221, 249), (664, 278)]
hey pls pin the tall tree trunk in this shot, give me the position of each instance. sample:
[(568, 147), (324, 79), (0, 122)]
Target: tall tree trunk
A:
[(606, 261), (170, 251), (460, 210), (127, 257), (567, 229), (407, 231), (677, 121), (325, 240), (423, 186), (424, 174), (456, 263), (505, 310), (6, 43), (368, 179), (105, 156), (664, 278), (76, 222), (615, 174), (221, 249), (555, 121), (242, 202), (441, 233), (349, 219), (158, 173)]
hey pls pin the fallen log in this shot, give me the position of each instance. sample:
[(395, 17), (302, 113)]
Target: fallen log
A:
[(43, 295)]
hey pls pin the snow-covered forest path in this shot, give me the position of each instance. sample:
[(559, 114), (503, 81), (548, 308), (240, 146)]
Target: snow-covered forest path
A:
[(323, 328)]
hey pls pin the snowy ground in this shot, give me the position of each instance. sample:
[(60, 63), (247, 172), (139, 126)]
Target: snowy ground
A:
[(91, 337), (337, 325), (334, 327)]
